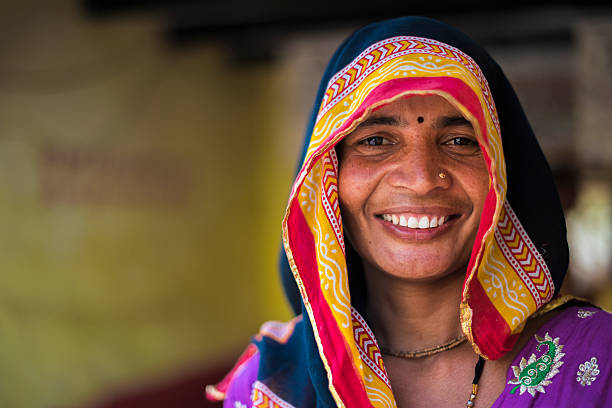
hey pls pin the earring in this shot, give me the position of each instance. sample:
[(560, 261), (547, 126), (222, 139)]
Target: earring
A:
[(442, 174)]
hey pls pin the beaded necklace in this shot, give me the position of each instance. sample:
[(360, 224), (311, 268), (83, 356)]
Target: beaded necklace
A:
[(438, 349), (430, 351)]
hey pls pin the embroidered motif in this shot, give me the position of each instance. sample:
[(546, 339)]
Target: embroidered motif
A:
[(238, 404), (533, 374), (583, 314), (587, 371)]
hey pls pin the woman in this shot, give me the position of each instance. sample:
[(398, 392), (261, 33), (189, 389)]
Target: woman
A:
[(427, 241)]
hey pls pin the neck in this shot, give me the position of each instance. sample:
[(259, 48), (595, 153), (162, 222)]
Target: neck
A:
[(408, 315)]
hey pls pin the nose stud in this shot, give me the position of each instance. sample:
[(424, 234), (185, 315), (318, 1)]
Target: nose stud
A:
[(442, 174)]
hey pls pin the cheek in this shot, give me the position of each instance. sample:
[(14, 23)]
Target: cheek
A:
[(478, 186), (354, 188), (354, 185)]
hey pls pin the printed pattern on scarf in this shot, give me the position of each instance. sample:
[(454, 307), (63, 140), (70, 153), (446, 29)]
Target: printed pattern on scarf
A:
[(534, 374), (515, 271), (263, 397), (349, 78), (326, 232), (520, 251), (329, 198), (368, 347)]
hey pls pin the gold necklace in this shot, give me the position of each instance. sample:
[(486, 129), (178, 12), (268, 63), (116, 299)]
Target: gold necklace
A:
[(430, 351), (438, 349)]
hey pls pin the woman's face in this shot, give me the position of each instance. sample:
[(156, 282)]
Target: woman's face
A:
[(412, 184)]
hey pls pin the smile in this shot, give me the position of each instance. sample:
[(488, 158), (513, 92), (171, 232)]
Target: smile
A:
[(420, 221)]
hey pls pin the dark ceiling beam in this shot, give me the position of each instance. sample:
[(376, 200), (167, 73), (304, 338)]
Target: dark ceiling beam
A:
[(250, 26)]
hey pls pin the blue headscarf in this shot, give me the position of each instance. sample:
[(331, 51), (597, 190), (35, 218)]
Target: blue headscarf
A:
[(294, 369)]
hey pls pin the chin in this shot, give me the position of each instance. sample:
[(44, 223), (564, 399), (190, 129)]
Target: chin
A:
[(421, 268), (424, 276)]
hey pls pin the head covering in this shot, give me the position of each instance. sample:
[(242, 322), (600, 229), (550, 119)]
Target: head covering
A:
[(327, 356), (520, 254)]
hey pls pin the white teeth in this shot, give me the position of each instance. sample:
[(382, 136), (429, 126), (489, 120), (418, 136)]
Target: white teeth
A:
[(421, 222), (424, 222), (412, 222)]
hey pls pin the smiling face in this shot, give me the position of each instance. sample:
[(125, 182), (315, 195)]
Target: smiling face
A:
[(412, 184)]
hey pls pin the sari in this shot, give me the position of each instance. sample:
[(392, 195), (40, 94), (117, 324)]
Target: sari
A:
[(327, 356)]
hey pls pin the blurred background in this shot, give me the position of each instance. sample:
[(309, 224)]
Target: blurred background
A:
[(147, 150)]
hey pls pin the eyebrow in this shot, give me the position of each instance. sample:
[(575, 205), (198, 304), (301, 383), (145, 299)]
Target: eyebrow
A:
[(381, 120), (442, 122), (447, 121)]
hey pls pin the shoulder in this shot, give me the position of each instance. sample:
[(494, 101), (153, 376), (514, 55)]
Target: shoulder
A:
[(580, 328), (240, 385), (566, 362), (580, 320)]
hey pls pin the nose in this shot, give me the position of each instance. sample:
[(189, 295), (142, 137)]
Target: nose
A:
[(419, 169)]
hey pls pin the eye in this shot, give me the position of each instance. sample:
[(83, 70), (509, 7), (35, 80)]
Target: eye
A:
[(462, 141), (463, 145), (374, 141)]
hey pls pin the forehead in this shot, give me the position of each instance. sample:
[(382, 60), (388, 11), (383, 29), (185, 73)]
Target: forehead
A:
[(431, 110), (420, 105)]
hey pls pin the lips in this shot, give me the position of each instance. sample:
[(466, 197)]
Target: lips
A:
[(415, 221)]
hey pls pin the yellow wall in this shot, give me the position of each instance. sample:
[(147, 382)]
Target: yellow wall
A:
[(140, 205)]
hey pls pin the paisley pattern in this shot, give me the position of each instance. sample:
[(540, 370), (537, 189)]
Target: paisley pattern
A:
[(534, 374)]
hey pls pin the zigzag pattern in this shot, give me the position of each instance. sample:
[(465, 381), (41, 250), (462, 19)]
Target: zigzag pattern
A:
[(367, 346), (377, 54), (329, 196), (523, 256), (263, 397)]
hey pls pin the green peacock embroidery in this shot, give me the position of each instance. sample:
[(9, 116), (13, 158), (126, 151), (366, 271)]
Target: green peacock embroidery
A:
[(534, 374)]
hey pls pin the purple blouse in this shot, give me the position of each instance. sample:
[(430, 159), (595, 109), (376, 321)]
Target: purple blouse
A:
[(566, 364)]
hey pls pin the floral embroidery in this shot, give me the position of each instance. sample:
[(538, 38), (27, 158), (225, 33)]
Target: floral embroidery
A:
[(238, 404), (587, 372), (533, 374), (583, 314)]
